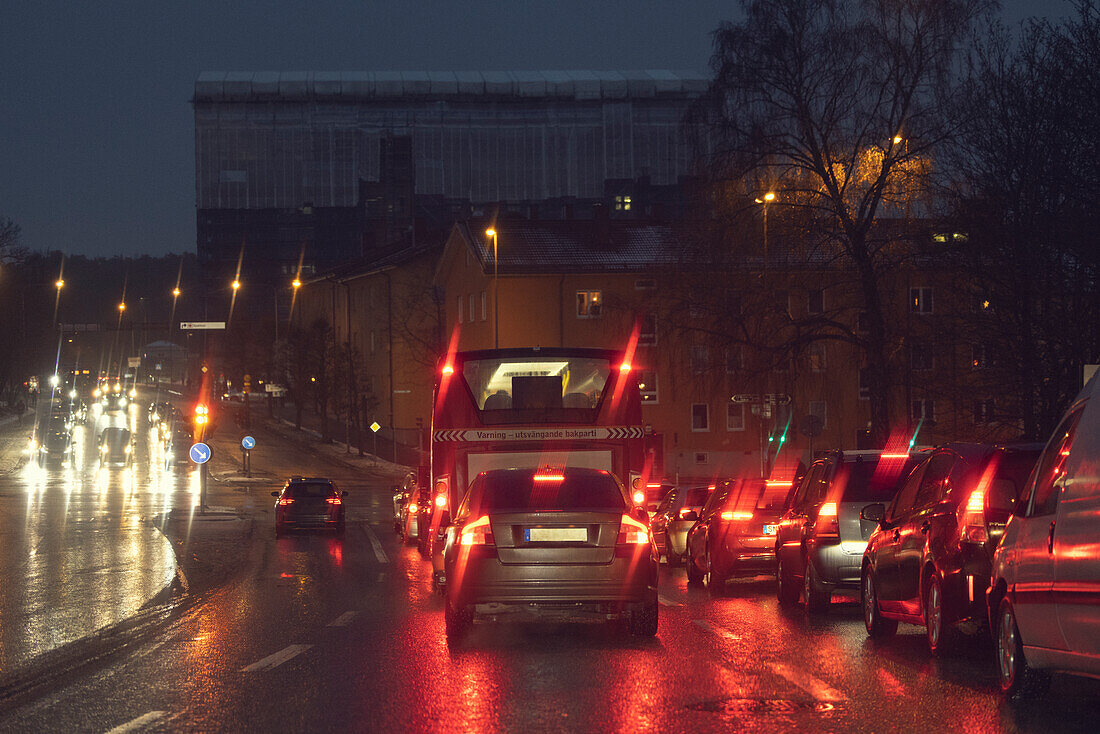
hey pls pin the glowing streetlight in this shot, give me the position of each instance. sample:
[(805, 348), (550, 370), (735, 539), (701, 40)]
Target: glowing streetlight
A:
[(765, 200), (236, 284), (175, 293), (491, 232), (121, 306), (60, 283), (898, 139), (295, 284), (55, 380)]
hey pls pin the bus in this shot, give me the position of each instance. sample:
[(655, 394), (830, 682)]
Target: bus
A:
[(532, 407)]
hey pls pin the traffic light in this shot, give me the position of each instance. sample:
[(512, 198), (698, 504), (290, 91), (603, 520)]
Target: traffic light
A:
[(202, 414)]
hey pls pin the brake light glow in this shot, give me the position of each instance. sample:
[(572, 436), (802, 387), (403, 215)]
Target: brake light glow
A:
[(777, 483), (827, 521), (549, 477), (441, 500), (736, 515), (413, 507), (976, 503), (333, 500), (477, 532), (448, 369), (685, 511), (284, 501), (624, 367), (893, 456), (632, 532), (827, 510)]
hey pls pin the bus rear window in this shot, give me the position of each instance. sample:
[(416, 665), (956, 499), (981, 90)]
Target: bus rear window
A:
[(517, 491), (553, 383)]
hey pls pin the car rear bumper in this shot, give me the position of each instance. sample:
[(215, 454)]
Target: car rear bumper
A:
[(308, 521), (483, 579), (837, 565)]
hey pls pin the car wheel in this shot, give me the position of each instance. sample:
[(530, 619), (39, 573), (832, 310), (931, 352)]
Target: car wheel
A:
[(877, 625), (940, 633), (1016, 676), (457, 622), (643, 623), (816, 600), (695, 576), (715, 582), (786, 590)]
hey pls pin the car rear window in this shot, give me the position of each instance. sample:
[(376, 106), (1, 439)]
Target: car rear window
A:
[(696, 497), (1016, 466), (301, 490), (519, 492), (871, 480), (753, 494)]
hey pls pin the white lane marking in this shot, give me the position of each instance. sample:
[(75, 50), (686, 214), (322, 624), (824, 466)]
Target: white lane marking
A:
[(718, 631), (665, 601), (376, 544), (343, 620), (139, 723), (276, 659), (816, 688)]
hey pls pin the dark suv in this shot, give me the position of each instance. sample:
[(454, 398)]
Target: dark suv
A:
[(820, 543), (928, 561)]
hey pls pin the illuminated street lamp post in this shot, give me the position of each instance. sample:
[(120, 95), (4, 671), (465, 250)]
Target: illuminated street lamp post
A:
[(491, 232), (765, 200)]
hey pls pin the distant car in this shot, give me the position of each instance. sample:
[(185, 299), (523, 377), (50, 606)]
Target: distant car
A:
[(407, 498), (309, 502), (546, 545), (1044, 599), (673, 518), (929, 559), (55, 448), (820, 543), (735, 535), (116, 447)]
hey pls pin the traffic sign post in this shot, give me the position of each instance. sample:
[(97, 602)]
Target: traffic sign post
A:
[(200, 453), (374, 429), (247, 444)]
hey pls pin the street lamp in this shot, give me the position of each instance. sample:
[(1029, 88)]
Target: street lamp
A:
[(236, 284), (60, 284), (121, 306), (765, 200), (295, 284), (175, 293), (491, 232)]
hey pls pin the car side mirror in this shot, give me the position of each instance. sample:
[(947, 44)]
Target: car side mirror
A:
[(274, 494), (873, 513), (691, 516), (344, 493)]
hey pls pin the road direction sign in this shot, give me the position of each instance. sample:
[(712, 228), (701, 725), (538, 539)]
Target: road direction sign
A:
[(200, 325), (133, 361), (200, 453), (248, 442), (746, 398)]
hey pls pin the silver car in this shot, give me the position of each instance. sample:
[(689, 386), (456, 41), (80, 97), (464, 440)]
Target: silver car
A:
[(1044, 597), (675, 515)]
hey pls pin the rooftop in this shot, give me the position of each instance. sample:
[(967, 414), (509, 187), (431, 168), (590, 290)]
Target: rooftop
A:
[(336, 86)]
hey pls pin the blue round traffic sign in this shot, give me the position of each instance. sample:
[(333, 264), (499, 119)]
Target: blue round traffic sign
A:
[(248, 442), (200, 453)]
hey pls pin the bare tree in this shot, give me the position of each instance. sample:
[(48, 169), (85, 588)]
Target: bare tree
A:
[(835, 105)]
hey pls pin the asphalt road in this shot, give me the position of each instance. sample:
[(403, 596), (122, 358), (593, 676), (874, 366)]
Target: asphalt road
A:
[(315, 633)]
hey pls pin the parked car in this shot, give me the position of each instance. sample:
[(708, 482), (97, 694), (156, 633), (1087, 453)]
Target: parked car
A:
[(821, 539), (673, 518), (929, 560), (547, 545), (309, 502), (735, 535), (1044, 599)]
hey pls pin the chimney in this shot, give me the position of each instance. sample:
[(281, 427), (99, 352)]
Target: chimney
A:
[(601, 224)]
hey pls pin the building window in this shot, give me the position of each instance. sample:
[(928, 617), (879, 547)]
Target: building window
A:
[(818, 408), (484, 306), (700, 359), (735, 416), (980, 359), (816, 302), (924, 410), (700, 417), (473, 306), (589, 304), (864, 384), (921, 357), (702, 457), (647, 330), (647, 386), (983, 411), (460, 309), (645, 284), (817, 357), (622, 203), (920, 300), (734, 360)]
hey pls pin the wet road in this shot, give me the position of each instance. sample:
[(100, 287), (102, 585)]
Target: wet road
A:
[(314, 633)]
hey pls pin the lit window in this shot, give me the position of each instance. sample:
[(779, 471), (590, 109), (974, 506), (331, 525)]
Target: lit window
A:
[(622, 203), (700, 417), (735, 416), (920, 300), (589, 304), (647, 386)]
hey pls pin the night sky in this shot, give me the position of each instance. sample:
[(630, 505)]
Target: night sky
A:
[(96, 133)]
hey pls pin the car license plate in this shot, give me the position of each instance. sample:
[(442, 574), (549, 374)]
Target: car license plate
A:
[(555, 535), (770, 529)]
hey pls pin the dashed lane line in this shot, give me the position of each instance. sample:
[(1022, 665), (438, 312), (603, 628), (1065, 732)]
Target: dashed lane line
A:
[(706, 626), (343, 620), (376, 544), (276, 659), (139, 723), (816, 688)]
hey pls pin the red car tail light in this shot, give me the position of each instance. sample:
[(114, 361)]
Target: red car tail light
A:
[(632, 532), (827, 523), (413, 507), (972, 527), (477, 532), (685, 511), (333, 500), (286, 501), (735, 515)]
